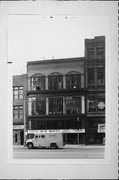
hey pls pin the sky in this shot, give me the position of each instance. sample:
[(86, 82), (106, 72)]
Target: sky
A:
[(36, 37)]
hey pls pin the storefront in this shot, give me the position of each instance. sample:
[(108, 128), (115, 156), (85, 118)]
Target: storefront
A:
[(18, 134)]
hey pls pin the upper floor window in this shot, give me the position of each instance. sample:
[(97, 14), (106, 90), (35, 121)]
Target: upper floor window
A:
[(90, 53), (73, 81), (91, 77), (73, 105), (37, 82), (100, 52), (18, 112), (96, 103), (36, 105), (18, 92), (100, 76), (55, 82), (55, 105)]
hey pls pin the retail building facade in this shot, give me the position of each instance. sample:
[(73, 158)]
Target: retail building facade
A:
[(56, 97)]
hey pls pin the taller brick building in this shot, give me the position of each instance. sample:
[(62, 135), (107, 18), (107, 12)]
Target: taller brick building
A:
[(95, 89)]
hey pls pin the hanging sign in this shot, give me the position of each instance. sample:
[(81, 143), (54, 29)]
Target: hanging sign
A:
[(101, 128)]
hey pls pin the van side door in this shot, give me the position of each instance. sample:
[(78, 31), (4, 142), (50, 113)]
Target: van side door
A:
[(43, 140), (36, 140)]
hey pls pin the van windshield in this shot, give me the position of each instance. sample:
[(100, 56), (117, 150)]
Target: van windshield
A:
[(30, 136)]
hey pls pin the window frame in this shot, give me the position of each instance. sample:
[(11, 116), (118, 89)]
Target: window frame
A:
[(73, 80), (54, 80), (18, 108), (16, 92), (40, 82)]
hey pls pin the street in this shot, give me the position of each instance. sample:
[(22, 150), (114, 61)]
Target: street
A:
[(67, 152)]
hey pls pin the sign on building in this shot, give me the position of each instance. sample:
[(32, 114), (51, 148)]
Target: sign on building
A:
[(101, 128)]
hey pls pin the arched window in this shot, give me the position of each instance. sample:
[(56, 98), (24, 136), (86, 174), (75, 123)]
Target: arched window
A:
[(73, 80), (38, 82), (55, 81)]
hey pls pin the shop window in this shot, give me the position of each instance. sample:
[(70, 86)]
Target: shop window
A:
[(91, 76), (36, 105), (55, 124), (100, 76), (38, 82), (55, 82), (37, 125), (18, 92), (73, 81), (73, 105), (55, 105), (93, 123), (18, 112)]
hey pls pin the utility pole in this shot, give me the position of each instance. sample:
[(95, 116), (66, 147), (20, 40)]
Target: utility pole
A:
[(24, 118), (78, 130)]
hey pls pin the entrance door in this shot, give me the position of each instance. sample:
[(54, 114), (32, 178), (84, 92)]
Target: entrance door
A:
[(22, 137)]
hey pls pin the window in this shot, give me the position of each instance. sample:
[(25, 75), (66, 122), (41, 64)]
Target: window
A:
[(37, 125), (36, 105), (100, 76), (91, 76), (38, 83), (55, 105), (73, 105), (73, 81), (55, 82), (93, 123), (96, 103), (53, 124), (18, 112), (100, 52), (42, 136), (90, 53), (18, 92)]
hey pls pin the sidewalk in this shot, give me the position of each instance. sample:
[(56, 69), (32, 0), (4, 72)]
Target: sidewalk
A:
[(83, 146), (71, 146)]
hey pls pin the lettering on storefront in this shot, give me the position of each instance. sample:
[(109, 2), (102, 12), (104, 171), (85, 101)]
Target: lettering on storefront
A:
[(57, 131), (18, 127)]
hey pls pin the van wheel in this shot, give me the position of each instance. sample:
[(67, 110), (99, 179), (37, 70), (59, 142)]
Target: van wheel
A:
[(53, 146), (30, 146)]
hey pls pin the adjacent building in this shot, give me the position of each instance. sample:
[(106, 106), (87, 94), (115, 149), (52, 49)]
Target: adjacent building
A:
[(95, 89), (19, 107)]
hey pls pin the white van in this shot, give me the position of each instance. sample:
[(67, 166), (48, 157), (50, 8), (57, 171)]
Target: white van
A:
[(47, 140)]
